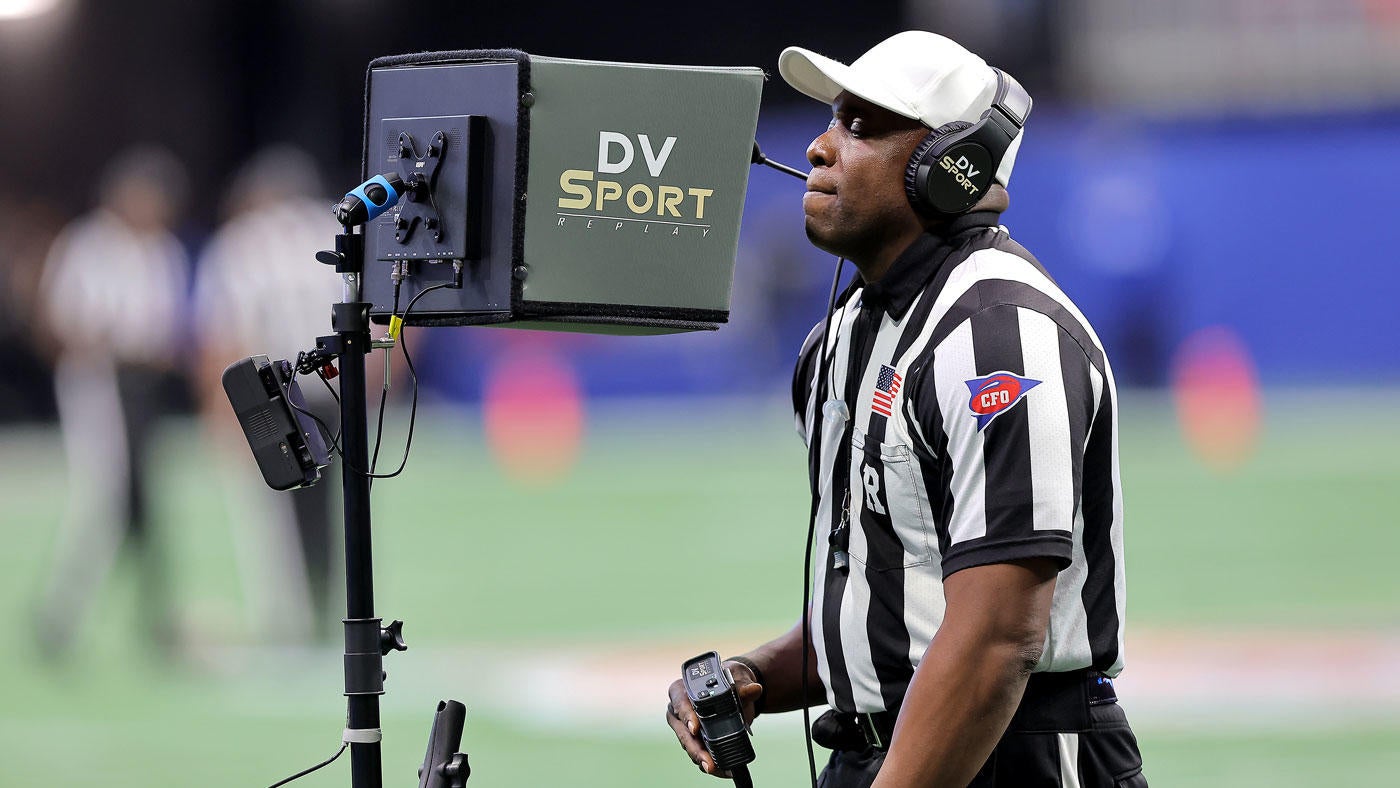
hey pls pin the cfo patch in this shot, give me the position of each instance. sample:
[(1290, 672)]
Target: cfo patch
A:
[(994, 394)]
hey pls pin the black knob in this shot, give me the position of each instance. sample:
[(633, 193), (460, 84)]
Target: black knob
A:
[(391, 638)]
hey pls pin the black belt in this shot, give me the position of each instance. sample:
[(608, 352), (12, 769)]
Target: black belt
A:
[(1052, 702)]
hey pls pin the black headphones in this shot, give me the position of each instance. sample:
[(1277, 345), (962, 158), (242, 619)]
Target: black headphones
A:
[(955, 164)]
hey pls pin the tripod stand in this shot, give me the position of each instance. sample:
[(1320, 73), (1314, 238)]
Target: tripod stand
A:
[(366, 641)]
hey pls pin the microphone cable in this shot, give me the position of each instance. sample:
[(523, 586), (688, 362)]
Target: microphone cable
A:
[(305, 772), (413, 376), (818, 419)]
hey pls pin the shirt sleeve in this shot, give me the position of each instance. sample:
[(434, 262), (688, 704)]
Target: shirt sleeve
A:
[(1003, 406), (56, 285)]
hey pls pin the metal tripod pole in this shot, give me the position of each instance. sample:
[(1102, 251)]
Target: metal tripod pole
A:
[(364, 677)]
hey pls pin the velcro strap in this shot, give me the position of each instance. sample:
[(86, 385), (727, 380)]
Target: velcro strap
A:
[(362, 735)]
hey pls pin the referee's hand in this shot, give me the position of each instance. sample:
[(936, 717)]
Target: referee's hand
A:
[(680, 715)]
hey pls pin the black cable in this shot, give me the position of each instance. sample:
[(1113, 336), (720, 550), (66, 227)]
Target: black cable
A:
[(334, 394), (286, 392), (413, 375), (378, 436), (325, 428), (301, 774), (335, 439), (384, 392), (287, 395), (817, 420), (413, 408)]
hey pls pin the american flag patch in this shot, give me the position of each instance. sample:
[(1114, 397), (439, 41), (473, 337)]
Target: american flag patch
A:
[(886, 387)]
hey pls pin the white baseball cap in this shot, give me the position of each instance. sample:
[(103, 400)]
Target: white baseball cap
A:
[(920, 75)]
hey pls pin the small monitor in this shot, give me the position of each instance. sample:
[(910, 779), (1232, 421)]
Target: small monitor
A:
[(576, 195)]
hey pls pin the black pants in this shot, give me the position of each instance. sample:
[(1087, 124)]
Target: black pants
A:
[(120, 520), (315, 511), (1057, 739)]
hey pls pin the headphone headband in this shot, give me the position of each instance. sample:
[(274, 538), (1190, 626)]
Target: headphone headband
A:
[(1011, 99)]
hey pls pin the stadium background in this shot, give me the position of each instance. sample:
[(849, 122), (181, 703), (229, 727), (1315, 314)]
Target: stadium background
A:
[(1212, 182)]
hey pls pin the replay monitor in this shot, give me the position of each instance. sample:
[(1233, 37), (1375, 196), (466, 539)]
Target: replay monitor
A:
[(574, 195)]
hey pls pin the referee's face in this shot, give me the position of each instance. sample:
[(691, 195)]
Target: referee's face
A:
[(855, 204)]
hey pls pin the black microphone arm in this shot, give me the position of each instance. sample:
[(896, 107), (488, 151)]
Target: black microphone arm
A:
[(759, 158)]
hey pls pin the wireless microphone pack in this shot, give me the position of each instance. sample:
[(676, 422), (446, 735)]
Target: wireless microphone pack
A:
[(575, 195), (287, 444), (711, 691)]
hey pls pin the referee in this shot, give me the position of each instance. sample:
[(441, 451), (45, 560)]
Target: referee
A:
[(961, 421)]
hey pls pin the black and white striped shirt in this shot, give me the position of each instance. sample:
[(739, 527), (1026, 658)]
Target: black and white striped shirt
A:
[(970, 418)]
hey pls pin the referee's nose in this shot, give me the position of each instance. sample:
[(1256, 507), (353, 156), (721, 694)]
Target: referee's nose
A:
[(822, 150)]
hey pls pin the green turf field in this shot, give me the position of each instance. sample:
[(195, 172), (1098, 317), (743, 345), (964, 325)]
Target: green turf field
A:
[(507, 587)]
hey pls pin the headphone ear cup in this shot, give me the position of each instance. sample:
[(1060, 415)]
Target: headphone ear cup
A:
[(911, 174), (926, 154)]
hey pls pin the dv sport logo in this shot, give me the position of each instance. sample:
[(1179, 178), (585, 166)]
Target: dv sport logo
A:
[(994, 395), (956, 169)]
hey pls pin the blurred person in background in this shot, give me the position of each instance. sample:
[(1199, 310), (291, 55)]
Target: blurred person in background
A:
[(260, 290), (112, 295)]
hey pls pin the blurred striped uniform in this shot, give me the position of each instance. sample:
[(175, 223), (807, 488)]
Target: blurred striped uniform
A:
[(979, 426)]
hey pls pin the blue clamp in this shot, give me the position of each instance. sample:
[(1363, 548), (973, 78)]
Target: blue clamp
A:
[(377, 195)]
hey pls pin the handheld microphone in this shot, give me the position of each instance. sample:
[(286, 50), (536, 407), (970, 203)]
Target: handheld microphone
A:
[(711, 692), (370, 199)]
